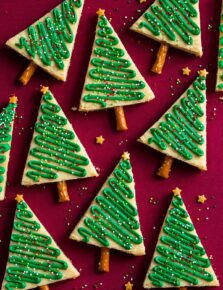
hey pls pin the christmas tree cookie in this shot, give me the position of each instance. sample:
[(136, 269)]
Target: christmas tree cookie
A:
[(49, 42), (173, 23), (34, 257), (181, 132), (56, 154), (112, 78), (219, 83), (6, 129), (179, 259), (111, 221)]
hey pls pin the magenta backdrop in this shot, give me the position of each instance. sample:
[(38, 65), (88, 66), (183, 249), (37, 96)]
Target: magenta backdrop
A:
[(60, 219)]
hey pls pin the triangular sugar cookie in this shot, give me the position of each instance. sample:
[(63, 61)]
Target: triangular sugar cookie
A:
[(49, 42), (112, 219), (56, 153), (181, 131), (6, 130), (112, 78), (176, 23), (179, 259), (34, 257), (219, 83)]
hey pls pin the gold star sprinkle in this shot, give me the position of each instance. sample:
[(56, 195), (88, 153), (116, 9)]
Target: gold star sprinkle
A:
[(186, 71), (19, 198), (100, 140), (100, 12), (176, 191), (201, 198), (128, 286), (13, 99), (126, 155), (44, 89), (142, 1), (203, 73)]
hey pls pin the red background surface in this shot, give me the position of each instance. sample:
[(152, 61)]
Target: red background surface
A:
[(60, 219)]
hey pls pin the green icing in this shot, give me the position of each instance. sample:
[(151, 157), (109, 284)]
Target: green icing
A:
[(6, 118), (181, 128), (31, 256), (179, 256), (113, 216), (49, 38), (113, 79), (55, 149), (220, 55), (172, 18)]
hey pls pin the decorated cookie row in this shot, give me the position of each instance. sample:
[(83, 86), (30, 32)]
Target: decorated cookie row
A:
[(56, 154), (111, 222)]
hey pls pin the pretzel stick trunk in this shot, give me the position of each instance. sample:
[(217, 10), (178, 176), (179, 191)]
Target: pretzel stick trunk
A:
[(28, 73), (165, 168), (160, 59), (121, 124), (103, 265), (45, 287), (62, 191), (183, 288)]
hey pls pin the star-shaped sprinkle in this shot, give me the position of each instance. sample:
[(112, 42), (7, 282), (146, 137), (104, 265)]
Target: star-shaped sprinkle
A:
[(142, 1), (126, 155), (100, 140), (128, 286), (100, 12), (19, 198), (186, 71), (176, 191), (203, 73), (44, 89), (201, 198), (13, 99)]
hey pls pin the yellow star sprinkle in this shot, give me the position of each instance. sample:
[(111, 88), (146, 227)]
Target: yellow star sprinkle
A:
[(44, 89), (100, 140), (19, 198), (186, 71), (100, 12), (176, 191), (201, 198), (128, 286), (203, 73), (142, 1), (126, 156), (13, 99)]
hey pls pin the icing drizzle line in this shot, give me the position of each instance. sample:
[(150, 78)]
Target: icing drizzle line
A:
[(220, 52), (113, 79), (30, 254), (179, 257), (172, 17), (48, 39), (113, 216), (55, 149), (6, 119), (181, 127)]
